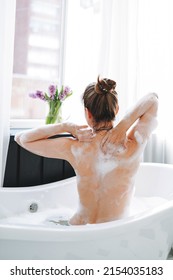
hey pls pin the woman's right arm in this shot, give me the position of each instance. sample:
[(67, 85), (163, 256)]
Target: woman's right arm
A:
[(137, 124), (38, 140), (147, 120)]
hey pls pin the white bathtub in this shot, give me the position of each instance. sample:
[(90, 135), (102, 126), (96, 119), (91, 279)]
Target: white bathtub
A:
[(144, 235)]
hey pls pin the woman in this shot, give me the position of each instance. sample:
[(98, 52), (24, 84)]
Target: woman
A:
[(105, 158)]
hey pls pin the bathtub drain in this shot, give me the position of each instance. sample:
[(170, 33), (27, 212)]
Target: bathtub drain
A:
[(33, 207)]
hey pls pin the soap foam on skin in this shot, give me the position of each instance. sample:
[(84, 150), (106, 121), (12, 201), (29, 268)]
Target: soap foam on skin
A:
[(81, 215), (104, 164), (138, 137), (77, 152), (147, 127)]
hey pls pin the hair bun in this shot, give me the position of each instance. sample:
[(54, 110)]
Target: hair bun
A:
[(104, 86)]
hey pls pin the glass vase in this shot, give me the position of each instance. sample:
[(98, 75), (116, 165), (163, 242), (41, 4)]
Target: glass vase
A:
[(54, 114)]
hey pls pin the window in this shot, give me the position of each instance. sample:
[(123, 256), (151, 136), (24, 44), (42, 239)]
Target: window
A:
[(37, 53), (42, 54)]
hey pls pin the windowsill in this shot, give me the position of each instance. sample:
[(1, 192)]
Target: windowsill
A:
[(22, 124), (19, 125), (26, 123)]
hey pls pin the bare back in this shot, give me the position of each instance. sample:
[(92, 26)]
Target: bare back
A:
[(105, 181)]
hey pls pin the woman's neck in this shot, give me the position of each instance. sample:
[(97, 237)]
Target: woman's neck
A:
[(102, 127)]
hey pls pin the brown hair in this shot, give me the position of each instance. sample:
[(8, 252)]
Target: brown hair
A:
[(101, 100)]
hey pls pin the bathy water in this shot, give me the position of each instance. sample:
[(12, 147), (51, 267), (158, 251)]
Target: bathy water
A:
[(60, 217)]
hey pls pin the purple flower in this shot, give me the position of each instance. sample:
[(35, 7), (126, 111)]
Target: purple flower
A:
[(53, 94), (61, 96), (40, 95), (32, 95), (52, 91), (66, 92)]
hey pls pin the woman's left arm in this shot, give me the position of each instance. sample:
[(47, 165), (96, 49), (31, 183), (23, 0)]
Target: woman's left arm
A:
[(145, 111), (38, 140)]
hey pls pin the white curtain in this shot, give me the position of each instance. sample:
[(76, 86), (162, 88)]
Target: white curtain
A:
[(143, 62), (7, 20), (130, 41)]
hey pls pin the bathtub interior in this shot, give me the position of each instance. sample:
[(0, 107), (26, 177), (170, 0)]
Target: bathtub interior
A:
[(58, 201), (48, 197)]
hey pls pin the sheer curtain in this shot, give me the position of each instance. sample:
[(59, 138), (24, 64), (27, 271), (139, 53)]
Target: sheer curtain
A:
[(142, 60), (7, 19), (130, 41)]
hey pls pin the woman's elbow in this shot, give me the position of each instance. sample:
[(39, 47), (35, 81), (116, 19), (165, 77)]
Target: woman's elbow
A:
[(18, 138), (155, 95)]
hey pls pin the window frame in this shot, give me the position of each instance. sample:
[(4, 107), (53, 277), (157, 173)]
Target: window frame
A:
[(29, 123)]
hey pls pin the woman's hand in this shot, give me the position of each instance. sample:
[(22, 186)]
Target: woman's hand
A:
[(83, 133)]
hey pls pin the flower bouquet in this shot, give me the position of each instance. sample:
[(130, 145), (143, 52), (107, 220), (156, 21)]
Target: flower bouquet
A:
[(55, 98)]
